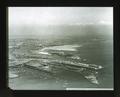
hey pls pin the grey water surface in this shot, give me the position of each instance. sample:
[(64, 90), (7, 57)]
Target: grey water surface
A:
[(79, 56)]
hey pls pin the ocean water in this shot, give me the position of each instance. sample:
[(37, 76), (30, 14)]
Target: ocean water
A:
[(78, 57)]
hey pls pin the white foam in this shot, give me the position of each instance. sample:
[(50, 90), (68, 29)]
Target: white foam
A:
[(11, 75), (92, 78), (44, 53), (63, 47), (75, 57)]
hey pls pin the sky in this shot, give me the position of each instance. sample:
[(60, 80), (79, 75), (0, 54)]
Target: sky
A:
[(32, 20), (59, 15)]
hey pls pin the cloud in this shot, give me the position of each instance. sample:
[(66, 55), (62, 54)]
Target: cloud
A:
[(59, 15)]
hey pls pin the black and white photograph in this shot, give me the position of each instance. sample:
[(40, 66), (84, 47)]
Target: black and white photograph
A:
[(60, 48)]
